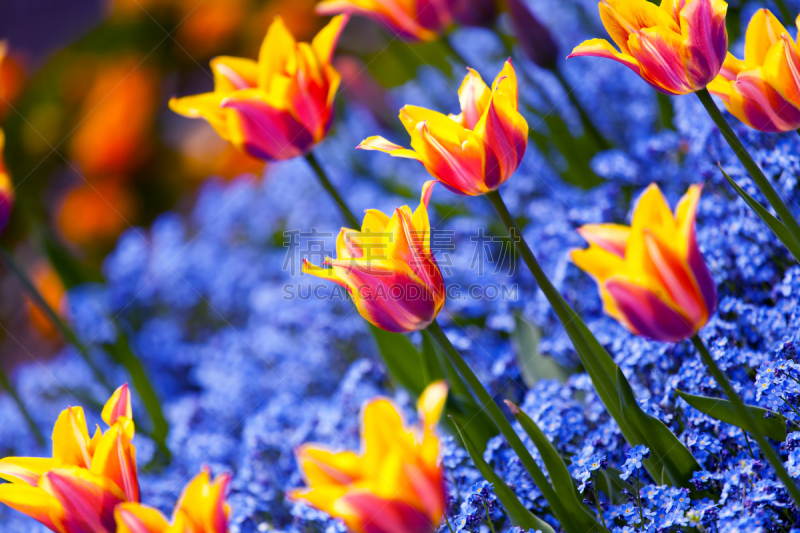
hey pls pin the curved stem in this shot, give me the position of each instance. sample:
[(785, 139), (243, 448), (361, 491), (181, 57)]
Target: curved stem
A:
[(332, 192), (750, 165), (9, 388), (766, 448), (588, 125), (66, 333), (490, 406)]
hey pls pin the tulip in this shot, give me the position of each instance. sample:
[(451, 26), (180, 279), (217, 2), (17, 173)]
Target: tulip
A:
[(200, 509), (677, 48), (422, 20), (395, 485), (6, 187), (279, 107), (388, 268), (651, 275), (77, 489), (763, 90), (471, 153)]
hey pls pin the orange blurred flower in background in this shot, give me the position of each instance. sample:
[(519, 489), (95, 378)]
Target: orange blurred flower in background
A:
[(117, 115), (48, 283), (95, 214), (206, 26), (12, 77)]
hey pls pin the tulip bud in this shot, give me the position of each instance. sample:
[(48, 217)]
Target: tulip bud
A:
[(763, 90), (396, 485), (652, 277), (279, 107), (388, 268), (677, 47), (412, 20), (471, 153), (532, 36)]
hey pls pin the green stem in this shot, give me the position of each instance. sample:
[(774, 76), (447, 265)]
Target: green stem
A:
[(121, 352), (588, 125), (488, 404), (559, 305), (750, 165), (597, 498), (66, 333), (747, 418), (9, 388), (488, 517), (332, 192)]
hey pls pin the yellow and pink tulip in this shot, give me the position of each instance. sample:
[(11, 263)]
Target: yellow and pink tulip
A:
[(763, 90), (471, 153), (200, 509), (278, 107), (678, 47), (396, 483), (651, 275), (388, 268), (422, 20), (77, 489)]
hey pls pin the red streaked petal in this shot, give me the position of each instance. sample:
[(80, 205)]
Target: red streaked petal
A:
[(137, 518), (760, 106), (646, 314), (25, 469), (658, 53), (118, 405), (706, 40), (88, 499), (268, 133), (377, 515), (610, 237), (35, 503)]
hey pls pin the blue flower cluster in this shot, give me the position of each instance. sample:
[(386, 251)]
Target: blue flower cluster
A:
[(249, 363)]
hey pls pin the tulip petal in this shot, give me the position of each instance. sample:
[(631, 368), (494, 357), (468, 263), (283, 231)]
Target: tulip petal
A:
[(757, 104), (621, 18), (390, 14), (646, 314), (324, 43), (388, 294), (382, 145), (88, 499), (115, 459), (35, 503), (205, 106), (268, 133), (781, 70), (118, 405), (601, 265), (321, 467), (202, 504), (137, 518), (277, 54), (763, 31), (25, 469), (431, 402), (706, 40), (658, 52), (71, 438), (233, 74), (474, 96), (675, 276), (685, 214), (610, 237), (602, 48), (371, 514), (328, 274)]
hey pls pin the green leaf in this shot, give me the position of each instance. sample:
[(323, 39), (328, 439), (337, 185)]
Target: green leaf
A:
[(559, 474), (520, 516), (773, 427), (777, 227), (668, 455), (533, 365), (612, 485), (401, 358), (460, 404), (396, 62)]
